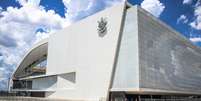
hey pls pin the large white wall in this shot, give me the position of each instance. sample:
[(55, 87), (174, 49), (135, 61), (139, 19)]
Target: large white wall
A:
[(127, 70), (79, 49)]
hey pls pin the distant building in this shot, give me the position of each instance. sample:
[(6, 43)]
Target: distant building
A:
[(121, 52)]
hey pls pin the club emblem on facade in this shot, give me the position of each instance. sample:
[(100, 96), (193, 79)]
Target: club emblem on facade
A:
[(102, 27)]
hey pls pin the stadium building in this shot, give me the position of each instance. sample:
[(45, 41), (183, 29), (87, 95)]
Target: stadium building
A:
[(122, 52)]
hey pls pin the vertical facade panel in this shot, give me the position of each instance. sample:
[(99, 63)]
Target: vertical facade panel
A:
[(168, 61), (127, 70)]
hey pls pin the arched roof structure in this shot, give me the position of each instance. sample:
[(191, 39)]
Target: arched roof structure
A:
[(36, 52)]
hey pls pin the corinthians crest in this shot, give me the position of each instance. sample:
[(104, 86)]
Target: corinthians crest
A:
[(102, 27)]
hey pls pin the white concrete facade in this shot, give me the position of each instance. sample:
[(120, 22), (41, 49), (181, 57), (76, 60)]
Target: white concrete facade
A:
[(82, 65), (80, 49)]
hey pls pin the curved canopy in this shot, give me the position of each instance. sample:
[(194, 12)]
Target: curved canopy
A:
[(38, 51)]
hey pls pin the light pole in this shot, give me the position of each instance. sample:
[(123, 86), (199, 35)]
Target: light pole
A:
[(8, 85)]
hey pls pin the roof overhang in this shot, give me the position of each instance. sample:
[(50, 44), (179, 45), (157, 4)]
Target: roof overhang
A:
[(36, 52)]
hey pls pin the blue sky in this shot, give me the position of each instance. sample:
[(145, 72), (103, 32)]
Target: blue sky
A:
[(25, 22)]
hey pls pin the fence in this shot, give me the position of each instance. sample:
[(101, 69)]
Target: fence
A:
[(15, 98)]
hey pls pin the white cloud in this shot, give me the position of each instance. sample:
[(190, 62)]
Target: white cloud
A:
[(20, 24), (187, 1), (77, 6), (182, 19), (155, 7), (26, 2), (78, 9), (2, 73), (197, 13), (196, 39), (41, 35)]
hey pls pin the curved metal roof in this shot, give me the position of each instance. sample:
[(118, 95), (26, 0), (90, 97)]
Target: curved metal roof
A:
[(36, 52)]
